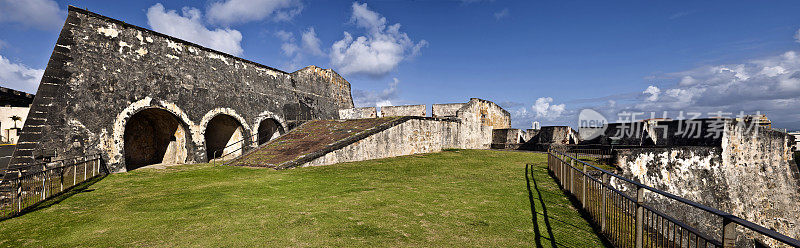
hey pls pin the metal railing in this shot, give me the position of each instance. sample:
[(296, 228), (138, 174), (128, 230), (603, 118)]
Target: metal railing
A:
[(28, 189), (243, 147), (627, 222)]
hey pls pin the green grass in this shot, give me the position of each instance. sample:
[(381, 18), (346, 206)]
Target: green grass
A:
[(454, 198)]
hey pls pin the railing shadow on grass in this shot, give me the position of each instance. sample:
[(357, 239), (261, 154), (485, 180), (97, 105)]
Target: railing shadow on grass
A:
[(58, 197), (529, 169)]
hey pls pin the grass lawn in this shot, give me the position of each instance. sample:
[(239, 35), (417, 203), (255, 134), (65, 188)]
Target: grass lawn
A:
[(454, 198)]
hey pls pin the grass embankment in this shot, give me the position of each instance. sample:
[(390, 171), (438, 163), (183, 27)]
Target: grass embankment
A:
[(453, 198)]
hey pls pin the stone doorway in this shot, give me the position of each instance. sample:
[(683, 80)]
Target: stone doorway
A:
[(268, 130), (223, 138), (154, 136)]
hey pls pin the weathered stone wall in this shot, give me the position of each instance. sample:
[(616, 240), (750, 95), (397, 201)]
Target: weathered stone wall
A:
[(529, 134), (752, 175), (103, 71), (358, 113), (696, 132), (550, 136), (485, 113), (470, 127), (406, 110), (507, 138), (414, 136), (446, 110)]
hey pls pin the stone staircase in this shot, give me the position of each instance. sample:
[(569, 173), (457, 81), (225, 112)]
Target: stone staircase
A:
[(313, 139)]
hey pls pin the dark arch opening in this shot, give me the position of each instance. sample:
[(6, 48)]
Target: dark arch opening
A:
[(153, 136), (222, 134), (268, 130)]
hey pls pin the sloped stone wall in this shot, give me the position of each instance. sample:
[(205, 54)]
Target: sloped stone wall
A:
[(103, 71)]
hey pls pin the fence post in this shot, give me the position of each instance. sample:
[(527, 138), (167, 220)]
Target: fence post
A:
[(44, 180), (603, 189), (728, 233), (84, 172), (61, 178), (571, 176), (583, 187), (639, 217)]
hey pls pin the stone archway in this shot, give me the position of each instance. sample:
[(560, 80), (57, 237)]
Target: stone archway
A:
[(269, 129), (154, 136), (223, 137)]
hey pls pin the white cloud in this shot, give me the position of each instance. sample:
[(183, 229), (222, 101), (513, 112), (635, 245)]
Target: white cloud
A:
[(378, 52), (240, 11), (544, 108), (289, 48), (41, 14), (19, 76), (769, 85), (311, 42), (653, 91), (189, 26), (382, 98), (797, 36), (500, 14)]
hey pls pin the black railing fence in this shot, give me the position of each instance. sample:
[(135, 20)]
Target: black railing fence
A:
[(26, 189), (628, 222)]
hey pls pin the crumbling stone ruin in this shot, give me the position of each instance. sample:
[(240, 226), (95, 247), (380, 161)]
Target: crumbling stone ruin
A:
[(403, 130), (732, 165), (535, 139), (140, 97)]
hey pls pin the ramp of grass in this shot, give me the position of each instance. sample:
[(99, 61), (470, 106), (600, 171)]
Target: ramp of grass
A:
[(454, 198)]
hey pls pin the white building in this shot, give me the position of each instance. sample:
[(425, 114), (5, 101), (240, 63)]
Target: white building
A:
[(796, 135), (14, 106)]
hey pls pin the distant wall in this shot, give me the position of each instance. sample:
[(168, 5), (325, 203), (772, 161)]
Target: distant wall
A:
[(507, 138), (405, 110), (529, 134), (358, 113), (752, 175), (485, 113), (446, 110)]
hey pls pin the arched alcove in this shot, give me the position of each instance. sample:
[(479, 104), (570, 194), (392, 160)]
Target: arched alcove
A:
[(223, 136), (154, 136), (269, 129)]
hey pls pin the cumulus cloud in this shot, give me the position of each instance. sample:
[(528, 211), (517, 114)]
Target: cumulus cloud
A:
[(240, 11), (309, 44), (543, 110), (770, 85), (653, 92), (379, 51), (546, 110), (40, 14), (363, 98), (19, 76), (500, 14), (189, 26)]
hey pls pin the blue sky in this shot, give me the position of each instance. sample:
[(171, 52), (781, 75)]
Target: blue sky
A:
[(541, 60)]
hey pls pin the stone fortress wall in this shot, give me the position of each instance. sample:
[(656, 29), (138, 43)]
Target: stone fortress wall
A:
[(109, 83), (748, 173), (467, 127)]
